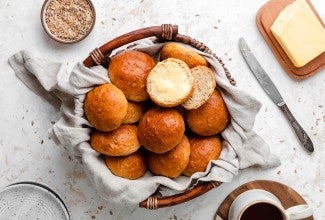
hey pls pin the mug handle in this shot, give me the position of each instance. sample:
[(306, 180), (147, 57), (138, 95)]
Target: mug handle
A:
[(299, 212)]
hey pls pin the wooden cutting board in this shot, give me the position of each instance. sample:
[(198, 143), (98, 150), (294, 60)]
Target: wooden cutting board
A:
[(288, 196), (264, 19)]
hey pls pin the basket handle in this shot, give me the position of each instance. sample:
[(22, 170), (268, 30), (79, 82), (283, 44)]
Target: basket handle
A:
[(156, 201), (99, 55)]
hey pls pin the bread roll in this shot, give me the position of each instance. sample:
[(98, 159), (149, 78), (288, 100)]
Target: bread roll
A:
[(172, 163), (203, 149), (105, 107), (129, 71), (160, 130), (211, 118), (204, 85), (135, 111), (170, 83), (178, 51), (120, 142), (130, 167)]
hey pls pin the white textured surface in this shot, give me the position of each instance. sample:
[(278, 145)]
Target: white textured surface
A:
[(27, 153)]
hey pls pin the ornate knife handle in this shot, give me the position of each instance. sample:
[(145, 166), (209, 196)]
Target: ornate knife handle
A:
[(302, 135)]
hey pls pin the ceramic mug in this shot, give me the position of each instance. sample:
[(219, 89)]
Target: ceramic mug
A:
[(265, 204)]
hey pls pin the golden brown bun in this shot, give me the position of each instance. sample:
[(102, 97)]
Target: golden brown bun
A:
[(130, 167), (211, 118), (134, 112), (170, 83), (105, 107), (203, 149), (191, 58), (129, 71), (120, 142), (171, 163), (160, 130)]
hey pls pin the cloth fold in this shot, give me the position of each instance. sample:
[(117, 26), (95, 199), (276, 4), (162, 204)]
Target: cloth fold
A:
[(242, 147)]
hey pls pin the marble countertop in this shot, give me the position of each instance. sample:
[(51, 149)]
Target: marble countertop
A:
[(26, 152)]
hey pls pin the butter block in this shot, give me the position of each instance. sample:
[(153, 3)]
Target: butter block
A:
[(299, 32)]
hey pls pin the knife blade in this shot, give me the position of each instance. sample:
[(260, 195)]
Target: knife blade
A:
[(271, 90)]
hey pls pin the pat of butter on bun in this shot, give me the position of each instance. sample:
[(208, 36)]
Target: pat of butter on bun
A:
[(170, 83)]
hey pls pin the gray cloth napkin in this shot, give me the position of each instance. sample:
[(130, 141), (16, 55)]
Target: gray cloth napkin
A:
[(242, 147)]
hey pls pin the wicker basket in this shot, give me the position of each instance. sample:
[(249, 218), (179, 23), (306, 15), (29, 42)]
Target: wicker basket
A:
[(165, 32)]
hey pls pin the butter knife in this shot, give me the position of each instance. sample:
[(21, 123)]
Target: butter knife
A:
[(270, 89)]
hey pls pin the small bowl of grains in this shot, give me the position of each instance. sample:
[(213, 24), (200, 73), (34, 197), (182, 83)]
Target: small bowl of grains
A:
[(68, 21)]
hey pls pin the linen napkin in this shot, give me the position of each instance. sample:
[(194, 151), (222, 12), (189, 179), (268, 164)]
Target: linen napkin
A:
[(242, 147)]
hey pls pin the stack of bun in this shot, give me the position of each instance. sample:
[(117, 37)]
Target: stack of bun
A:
[(165, 116)]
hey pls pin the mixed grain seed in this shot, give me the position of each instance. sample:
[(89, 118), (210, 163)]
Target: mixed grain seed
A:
[(69, 20)]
